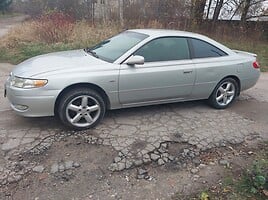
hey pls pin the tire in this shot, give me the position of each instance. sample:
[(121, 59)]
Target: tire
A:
[(81, 108), (224, 94)]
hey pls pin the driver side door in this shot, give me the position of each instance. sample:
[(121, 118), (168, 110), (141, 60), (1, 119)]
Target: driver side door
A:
[(167, 74)]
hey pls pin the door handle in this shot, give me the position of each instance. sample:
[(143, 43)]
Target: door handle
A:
[(188, 71)]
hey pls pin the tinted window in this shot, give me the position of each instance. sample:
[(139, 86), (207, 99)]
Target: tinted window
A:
[(165, 49), (111, 49), (203, 49)]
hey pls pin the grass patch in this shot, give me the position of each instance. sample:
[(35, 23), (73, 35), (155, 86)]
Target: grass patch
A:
[(29, 50), (248, 183), (50, 33), (8, 15), (259, 48)]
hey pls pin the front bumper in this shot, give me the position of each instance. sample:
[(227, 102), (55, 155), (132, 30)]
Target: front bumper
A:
[(37, 102)]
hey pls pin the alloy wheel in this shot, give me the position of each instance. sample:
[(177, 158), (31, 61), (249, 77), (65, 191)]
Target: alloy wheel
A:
[(225, 93), (83, 111)]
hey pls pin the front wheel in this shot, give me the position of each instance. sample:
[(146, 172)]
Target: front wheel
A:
[(224, 94), (81, 108)]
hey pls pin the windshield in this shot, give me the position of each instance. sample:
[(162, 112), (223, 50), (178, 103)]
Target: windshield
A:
[(113, 48)]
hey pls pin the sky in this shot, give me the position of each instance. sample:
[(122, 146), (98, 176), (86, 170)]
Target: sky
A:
[(227, 17)]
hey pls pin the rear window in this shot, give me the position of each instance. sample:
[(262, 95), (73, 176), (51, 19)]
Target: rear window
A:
[(202, 49)]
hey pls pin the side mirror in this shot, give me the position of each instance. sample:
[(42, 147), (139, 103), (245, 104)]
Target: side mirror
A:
[(135, 60)]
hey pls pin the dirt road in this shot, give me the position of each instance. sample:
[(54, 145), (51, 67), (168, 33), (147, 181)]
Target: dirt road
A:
[(7, 23), (141, 153)]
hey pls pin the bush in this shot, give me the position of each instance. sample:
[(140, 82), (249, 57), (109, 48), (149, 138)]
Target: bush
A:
[(49, 33), (86, 34), (54, 27)]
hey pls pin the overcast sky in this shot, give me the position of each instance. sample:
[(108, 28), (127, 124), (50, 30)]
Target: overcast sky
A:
[(226, 16)]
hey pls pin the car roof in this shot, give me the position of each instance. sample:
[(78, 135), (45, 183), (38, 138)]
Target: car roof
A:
[(166, 32), (154, 33)]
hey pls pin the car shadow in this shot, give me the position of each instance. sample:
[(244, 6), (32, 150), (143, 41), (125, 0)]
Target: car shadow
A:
[(13, 121), (161, 107)]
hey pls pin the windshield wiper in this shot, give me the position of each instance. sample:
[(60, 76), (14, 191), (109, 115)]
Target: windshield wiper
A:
[(93, 53)]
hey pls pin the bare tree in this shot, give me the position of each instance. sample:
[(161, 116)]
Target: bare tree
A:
[(208, 9), (198, 7), (245, 10), (217, 10), (228, 9), (248, 9), (4, 4)]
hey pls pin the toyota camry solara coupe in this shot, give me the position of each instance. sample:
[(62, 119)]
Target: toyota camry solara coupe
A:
[(133, 68)]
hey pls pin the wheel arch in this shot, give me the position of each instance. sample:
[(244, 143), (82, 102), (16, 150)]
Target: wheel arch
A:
[(236, 79), (83, 85)]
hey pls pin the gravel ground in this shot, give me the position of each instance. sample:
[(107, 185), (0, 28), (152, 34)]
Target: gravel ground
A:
[(171, 136)]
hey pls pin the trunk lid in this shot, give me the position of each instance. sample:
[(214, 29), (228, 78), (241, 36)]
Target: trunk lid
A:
[(244, 53)]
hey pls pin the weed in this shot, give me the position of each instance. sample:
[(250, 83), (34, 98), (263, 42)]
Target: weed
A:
[(25, 51), (204, 196), (8, 15), (257, 47), (53, 27), (255, 180)]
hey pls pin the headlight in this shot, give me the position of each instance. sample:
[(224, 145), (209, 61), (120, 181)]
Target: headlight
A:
[(27, 83)]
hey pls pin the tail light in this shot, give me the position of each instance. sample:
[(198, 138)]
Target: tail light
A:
[(256, 65)]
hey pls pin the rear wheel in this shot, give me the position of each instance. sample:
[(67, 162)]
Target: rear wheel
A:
[(224, 94), (81, 108)]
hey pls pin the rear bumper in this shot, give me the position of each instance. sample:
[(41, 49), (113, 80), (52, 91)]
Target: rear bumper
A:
[(250, 82)]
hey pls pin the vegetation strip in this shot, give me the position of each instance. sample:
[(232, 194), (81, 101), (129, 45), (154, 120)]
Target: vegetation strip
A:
[(57, 31)]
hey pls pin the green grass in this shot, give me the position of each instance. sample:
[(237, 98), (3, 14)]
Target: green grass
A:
[(8, 15), (249, 185), (259, 48), (29, 50)]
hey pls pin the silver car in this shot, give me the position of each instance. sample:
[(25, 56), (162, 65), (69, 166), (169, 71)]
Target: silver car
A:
[(133, 68)]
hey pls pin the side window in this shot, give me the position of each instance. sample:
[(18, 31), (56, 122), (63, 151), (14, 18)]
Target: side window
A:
[(165, 49), (202, 49)]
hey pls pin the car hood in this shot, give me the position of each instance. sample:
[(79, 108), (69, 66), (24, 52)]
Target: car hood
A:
[(56, 61)]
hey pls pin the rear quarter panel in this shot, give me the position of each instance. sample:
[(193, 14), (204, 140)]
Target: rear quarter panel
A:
[(210, 71), (248, 74)]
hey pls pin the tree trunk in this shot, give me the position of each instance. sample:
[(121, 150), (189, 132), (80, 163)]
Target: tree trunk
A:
[(121, 10), (198, 10), (217, 10), (209, 6), (4, 4), (245, 11)]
